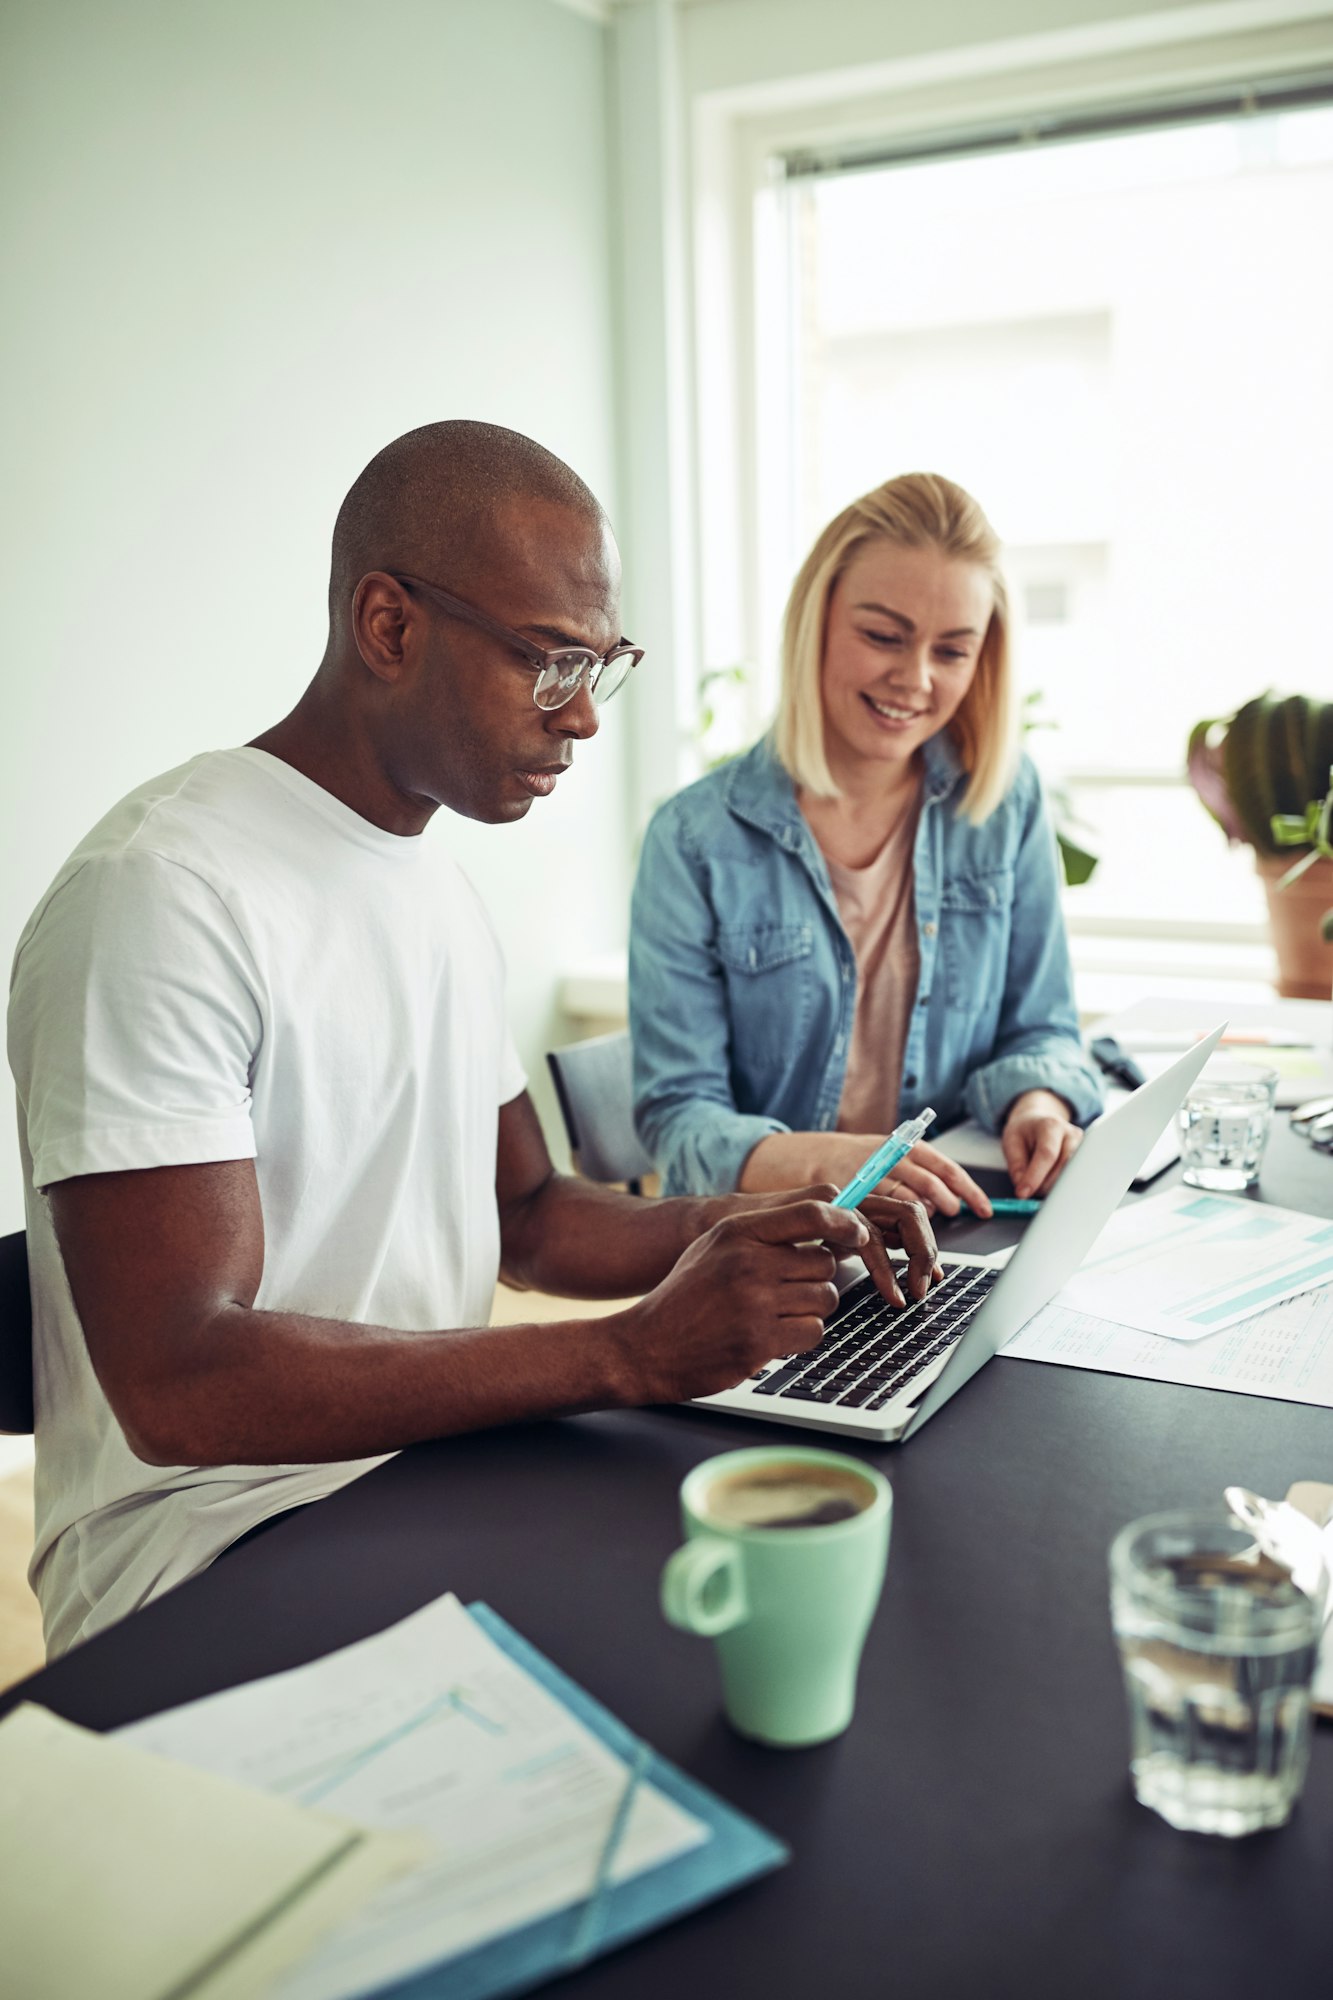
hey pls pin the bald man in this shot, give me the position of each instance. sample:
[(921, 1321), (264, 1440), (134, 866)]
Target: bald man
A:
[(276, 1136)]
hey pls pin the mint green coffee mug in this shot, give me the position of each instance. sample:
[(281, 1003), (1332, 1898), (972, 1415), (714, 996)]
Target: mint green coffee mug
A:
[(783, 1566)]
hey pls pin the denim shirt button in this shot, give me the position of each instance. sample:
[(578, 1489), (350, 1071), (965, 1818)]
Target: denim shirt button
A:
[(909, 1082), (928, 930)]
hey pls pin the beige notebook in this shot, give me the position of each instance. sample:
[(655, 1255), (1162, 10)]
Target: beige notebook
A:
[(133, 1878)]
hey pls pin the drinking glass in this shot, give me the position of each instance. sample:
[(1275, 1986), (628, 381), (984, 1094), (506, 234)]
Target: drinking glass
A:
[(1224, 1124), (1218, 1648)]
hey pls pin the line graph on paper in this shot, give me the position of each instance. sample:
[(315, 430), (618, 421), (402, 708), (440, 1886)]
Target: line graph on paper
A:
[(313, 1784)]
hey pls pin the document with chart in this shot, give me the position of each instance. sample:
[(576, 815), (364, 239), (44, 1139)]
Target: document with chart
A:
[(432, 1725), (1285, 1351), (1186, 1264)]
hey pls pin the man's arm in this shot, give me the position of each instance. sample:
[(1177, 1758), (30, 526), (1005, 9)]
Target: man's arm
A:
[(575, 1237), (164, 1265), (581, 1240)]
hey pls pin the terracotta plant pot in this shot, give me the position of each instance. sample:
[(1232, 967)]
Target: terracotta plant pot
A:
[(1304, 961)]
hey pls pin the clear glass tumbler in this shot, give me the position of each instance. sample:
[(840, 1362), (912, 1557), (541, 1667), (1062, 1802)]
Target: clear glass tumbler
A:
[(1218, 1648), (1224, 1124)]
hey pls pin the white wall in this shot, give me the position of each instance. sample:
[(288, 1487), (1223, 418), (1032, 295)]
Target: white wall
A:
[(247, 242)]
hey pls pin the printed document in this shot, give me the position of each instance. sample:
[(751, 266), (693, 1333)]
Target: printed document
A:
[(432, 1726), (1187, 1264), (1286, 1351)]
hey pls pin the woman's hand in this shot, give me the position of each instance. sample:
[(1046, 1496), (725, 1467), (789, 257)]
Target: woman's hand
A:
[(1039, 1137), (939, 1183), (794, 1159)]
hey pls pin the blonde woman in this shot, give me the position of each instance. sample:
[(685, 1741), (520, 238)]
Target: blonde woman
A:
[(860, 916)]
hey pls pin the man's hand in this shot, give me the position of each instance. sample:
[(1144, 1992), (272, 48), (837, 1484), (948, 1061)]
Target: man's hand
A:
[(760, 1283), (1039, 1137), (754, 1286), (898, 1220)]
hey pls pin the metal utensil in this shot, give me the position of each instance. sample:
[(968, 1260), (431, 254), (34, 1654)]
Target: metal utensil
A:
[(1286, 1536), (1313, 1108)]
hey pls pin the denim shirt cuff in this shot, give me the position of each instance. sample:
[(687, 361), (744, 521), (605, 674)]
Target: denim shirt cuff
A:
[(712, 1150), (991, 1090)]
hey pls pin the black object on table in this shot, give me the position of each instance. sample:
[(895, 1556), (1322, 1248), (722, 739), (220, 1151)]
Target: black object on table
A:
[(974, 1833), (1115, 1062)]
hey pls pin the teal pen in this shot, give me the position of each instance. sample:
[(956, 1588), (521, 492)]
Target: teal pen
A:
[(872, 1171), (1010, 1204)]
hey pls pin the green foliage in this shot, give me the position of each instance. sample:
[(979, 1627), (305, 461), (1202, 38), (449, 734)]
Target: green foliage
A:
[(1077, 861), (1313, 830), (717, 681), (1261, 766)]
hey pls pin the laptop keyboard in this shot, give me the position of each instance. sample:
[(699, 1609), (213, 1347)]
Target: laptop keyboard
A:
[(870, 1352)]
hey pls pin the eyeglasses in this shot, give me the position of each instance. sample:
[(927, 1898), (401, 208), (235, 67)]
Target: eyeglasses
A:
[(561, 670)]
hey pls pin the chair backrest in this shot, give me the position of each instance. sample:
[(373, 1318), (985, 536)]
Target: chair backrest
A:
[(594, 1084), (15, 1335)]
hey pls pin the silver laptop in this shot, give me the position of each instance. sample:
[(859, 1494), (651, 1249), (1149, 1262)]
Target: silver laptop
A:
[(878, 1374)]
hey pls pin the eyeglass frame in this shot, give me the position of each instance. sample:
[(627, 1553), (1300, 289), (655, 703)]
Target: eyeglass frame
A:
[(543, 658)]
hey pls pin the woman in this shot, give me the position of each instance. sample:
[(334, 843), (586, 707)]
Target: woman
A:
[(860, 916)]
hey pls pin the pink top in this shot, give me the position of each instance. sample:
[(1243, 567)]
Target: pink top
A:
[(877, 905)]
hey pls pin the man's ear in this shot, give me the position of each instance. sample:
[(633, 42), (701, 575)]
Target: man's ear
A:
[(383, 620)]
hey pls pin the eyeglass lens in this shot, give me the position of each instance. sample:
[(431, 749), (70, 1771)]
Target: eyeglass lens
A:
[(563, 675)]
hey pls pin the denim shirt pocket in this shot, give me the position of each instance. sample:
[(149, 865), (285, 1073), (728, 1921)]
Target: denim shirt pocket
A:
[(767, 968), (975, 912)]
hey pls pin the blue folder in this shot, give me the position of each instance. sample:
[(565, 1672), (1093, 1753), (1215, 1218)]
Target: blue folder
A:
[(736, 1852)]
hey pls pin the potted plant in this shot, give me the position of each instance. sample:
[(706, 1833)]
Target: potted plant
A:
[(1312, 830), (1261, 766)]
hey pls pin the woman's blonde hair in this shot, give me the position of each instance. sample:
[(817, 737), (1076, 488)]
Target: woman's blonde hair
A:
[(916, 510)]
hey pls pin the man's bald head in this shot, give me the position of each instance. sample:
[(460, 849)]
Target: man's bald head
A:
[(435, 501)]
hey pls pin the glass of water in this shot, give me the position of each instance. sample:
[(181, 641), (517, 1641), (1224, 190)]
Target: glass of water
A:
[(1224, 1125), (1218, 1648)]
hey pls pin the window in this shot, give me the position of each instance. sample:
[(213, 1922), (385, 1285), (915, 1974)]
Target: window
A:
[(1120, 342)]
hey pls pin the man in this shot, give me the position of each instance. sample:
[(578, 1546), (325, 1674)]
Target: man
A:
[(275, 1134)]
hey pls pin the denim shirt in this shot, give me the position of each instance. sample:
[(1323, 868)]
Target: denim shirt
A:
[(742, 980)]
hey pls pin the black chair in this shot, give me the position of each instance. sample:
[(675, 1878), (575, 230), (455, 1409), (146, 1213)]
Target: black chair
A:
[(594, 1085), (15, 1335)]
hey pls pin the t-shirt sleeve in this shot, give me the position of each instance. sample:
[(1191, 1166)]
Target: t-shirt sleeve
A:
[(513, 1076), (134, 1023)]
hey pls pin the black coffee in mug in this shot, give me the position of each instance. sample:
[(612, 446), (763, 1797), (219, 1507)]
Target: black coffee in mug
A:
[(796, 1494)]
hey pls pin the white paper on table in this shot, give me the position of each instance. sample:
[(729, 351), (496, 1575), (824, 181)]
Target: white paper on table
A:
[(430, 1725), (970, 1144), (1187, 1264), (1294, 1037), (1286, 1351)]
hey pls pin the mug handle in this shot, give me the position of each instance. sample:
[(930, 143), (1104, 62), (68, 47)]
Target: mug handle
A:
[(686, 1578)]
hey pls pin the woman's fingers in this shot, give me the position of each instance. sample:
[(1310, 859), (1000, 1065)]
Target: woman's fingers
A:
[(939, 1181), (1070, 1141), (1035, 1151)]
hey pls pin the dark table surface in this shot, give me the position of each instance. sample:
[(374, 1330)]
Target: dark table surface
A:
[(974, 1832)]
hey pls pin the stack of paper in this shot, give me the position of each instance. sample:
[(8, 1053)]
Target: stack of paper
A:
[(127, 1877), (544, 1844)]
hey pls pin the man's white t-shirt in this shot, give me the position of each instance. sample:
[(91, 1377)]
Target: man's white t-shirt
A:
[(234, 965)]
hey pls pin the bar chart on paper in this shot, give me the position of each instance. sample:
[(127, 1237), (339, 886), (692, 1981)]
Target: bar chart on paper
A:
[(1186, 1265)]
